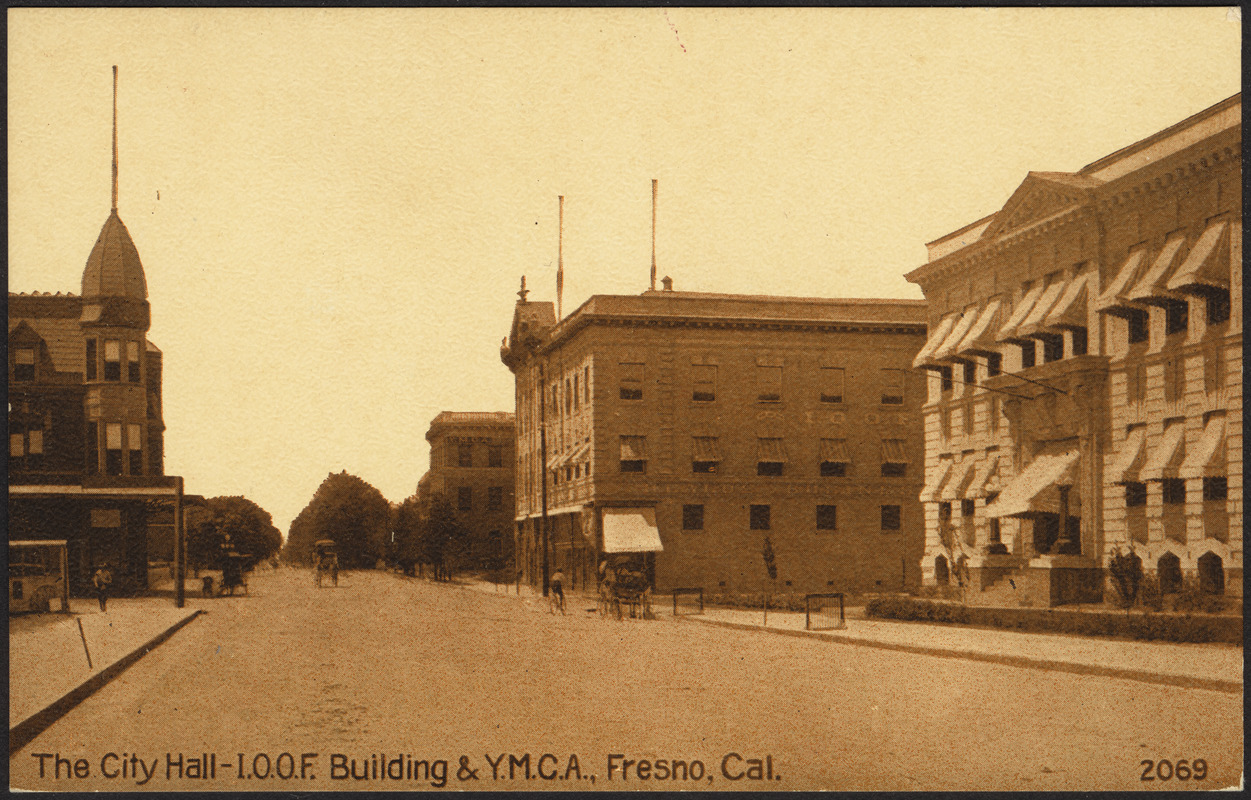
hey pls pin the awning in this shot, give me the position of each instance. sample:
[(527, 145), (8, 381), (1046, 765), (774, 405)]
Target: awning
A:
[(1022, 494), (631, 530), (1207, 266), (633, 448), (982, 476), (893, 452), (1008, 332), (936, 338), (704, 448), (956, 485), (1115, 298), (1129, 458), (929, 492), (978, 340), (949, 346), (835, 451), (1033, 322), (1151, 288), (1070, 310), (1166, 456), (1207, 458), (770, 450)]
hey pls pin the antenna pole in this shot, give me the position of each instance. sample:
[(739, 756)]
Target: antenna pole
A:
[(653, 284), (114, 137), (560, 260)]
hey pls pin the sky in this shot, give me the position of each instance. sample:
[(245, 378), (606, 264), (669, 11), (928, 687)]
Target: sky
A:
[(334, 207)]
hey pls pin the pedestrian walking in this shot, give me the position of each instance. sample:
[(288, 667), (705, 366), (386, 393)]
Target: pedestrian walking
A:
[(557, 583), (102, 580)]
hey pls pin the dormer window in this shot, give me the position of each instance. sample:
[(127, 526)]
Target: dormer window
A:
[(24, 364)]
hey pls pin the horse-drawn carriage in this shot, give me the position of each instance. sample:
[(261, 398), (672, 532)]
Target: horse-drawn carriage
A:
[(326, 562)]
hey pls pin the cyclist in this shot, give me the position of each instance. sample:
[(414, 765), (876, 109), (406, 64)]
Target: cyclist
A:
[(557, 582)]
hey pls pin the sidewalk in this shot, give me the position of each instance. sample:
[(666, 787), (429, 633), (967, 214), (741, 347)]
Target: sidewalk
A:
[(1216, 667), (48, 663)]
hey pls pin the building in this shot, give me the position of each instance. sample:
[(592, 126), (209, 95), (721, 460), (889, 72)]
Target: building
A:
[(679, 429), (471, 464), (1085, 363), (86, 432)]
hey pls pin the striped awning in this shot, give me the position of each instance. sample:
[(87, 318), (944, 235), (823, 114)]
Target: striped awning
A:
[(983, 475), (633, 448), (893, 452), (1129, 458), (1008, 332), (924, 358), (1152, 287), (835, 451), (949, 346), (1024, 494), (1207, 266), (1033, 322), (958, 482), (934, 484), (770, 449), (1115, 298), (1166, 456), (1070, 310), (979, 340), (704, 448), (631, 530), (1207, 458)]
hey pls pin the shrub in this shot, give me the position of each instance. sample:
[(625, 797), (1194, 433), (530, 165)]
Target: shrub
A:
[(1192, 598), (1125, 569), (1149, 592)]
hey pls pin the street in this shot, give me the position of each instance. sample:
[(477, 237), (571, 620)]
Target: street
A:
[(396, 683)]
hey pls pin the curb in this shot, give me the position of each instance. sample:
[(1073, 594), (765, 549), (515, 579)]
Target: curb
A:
[(25, 731), (1142, 676)]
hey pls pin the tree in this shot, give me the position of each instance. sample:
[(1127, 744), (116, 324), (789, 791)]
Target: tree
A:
[(348, 511), (409, 530), (444, 538), (229, 523), (771, 568)]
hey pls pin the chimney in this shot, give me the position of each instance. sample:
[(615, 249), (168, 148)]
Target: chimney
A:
[(667, 282)]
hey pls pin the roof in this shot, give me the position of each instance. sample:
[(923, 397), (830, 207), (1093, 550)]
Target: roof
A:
[(113, 268), (657, 304), (61, 333), (491, 419)]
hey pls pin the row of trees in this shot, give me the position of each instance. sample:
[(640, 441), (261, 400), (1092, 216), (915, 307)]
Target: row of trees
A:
[(428, 536), (229, 523)]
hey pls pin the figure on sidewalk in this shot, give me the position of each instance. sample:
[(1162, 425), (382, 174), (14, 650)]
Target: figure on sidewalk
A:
[(102, 580)]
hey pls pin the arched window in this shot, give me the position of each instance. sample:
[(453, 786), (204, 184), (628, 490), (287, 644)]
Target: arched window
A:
[(1169, 570), (1211, 574), (941, 574)]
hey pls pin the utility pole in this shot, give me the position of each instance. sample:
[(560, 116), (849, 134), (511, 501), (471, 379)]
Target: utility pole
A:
[(180, 547), (543, 468)]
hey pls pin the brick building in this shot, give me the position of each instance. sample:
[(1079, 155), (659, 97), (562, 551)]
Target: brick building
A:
[(1085, 374), (682, 428), (86, 432), (471, 464)]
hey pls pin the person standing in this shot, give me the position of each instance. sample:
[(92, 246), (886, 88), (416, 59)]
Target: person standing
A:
[(557, 584), (102, 580)]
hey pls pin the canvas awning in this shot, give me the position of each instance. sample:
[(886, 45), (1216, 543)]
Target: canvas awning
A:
[(1022, 494), (1033, 322), (770, 450), (1129, 458), (1115, 298), (835, 451), (1152, 287), (1070, 310), (958, 482), (1166, 456), (633, 448), (936, 338), (1207, 458), (1207, 266), (983, 474), (979, 340), (1008, 332), (631, 530), (893, 452), (950, 344), (929, 492), (704, 448)]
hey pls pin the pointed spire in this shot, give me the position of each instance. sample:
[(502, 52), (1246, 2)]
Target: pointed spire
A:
[(524, 291), (653, 283), (560, 260), (115, 137)]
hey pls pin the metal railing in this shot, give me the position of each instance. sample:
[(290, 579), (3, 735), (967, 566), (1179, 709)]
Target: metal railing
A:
[(696, 590), (809, 605)]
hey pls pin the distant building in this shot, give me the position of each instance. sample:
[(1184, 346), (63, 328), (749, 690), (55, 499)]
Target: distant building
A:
[(682, 428), (471, 464), (86, 432), (1085, 360)]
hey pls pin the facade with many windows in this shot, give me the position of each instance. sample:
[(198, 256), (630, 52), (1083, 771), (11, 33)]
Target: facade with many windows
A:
[(678, 429), (1085, 375), (471, 465)]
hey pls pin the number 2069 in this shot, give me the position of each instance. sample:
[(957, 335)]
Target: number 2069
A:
[(1182, 770)]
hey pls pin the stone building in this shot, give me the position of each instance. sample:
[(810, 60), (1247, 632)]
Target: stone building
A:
[(1085, 375), (471, 464), (682, 428), (86, 432)]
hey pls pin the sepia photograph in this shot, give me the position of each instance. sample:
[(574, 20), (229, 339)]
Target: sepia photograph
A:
[(625, 399)]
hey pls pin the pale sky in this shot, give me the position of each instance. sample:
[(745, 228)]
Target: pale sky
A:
[(348, 198)]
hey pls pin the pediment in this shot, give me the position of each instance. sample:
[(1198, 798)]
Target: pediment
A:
[(1040, 196), (23, 334)]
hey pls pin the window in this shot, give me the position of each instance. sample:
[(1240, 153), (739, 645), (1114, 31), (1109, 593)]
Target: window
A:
[(91, 359), (1136, 383), (945, 373), (996, 536), (1213, 488), (833, 469), (1213, 375), (827, 518), (768, 384), (577, 395), (1174, 491), (890, 518), (834, 458), (464, 455), (758, 517), (770, 457), (704, 454), (1136, 324), (1174, 379), (586, 384), (944, 511), (134, 448), (495, 544), (994, 365), (771, 469), (1135, 494), (464, 498), (1217, 303), (495, 497), (832, 381), (967, 507), (631, 381), (1053, 349), (633, 453), (112, 360), (568, 399), (1080, 342), (34, 441), (970, 373), (495, 456), (113, 448), (1027, 355), (24, 364), (93, 448), (704, 383), (893, 385), (17, 445), (894, 458), (132, 362), (1176, 317), (693, 517)]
